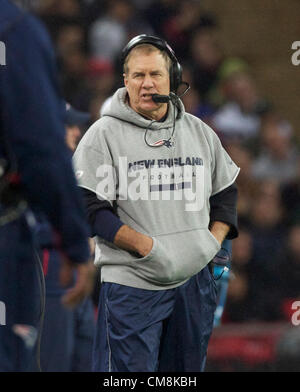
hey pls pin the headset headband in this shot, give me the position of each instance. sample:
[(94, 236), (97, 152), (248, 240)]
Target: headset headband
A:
[(149, 39)]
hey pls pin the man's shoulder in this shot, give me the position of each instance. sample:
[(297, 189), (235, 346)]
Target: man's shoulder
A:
[(190, 118), (99, 131), (104, 123)]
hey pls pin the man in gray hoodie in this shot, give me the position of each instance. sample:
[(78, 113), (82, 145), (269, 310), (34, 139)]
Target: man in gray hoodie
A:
[(161, 198)]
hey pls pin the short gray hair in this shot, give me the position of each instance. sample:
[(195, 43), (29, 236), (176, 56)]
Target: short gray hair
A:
[(147, 48)]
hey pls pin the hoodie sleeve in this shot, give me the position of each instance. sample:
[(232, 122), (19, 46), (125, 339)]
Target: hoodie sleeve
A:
[(101, 216), (94, 166), (224, 170), (223, 208), (32, 119)]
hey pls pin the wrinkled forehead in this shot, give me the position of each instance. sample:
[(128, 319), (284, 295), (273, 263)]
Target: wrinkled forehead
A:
[(146, 54)]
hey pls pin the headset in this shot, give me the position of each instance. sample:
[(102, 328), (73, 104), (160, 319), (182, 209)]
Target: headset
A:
[(175, 70), (175, 73)]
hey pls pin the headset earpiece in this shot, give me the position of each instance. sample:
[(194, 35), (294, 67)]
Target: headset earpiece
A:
[(175, 77)]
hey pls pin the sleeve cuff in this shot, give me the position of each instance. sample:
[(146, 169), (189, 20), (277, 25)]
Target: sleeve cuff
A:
[(106, 225)]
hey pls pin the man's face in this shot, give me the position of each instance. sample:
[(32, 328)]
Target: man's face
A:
[(147, 74)]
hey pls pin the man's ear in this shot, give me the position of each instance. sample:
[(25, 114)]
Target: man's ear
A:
[(125, 79)]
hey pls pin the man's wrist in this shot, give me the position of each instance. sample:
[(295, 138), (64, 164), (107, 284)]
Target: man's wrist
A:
[(132, 240), (145, 244), (219, 230)]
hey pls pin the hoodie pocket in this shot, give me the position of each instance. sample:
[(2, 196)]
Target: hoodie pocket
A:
[(214, 239), (151, 254), (176, 257)]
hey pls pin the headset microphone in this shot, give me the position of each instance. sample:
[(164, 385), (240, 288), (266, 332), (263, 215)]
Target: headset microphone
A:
[(157, 98)]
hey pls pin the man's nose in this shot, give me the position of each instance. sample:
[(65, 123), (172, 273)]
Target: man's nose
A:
[(147, 81)]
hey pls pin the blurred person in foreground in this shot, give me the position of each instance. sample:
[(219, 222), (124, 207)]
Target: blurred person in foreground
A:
[(67, 334), (37, 176), (158, 295)]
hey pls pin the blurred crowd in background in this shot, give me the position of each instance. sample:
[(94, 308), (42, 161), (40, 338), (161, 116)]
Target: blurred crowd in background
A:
[(89, 35)]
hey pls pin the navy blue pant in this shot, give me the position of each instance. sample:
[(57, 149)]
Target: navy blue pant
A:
[(19, 292), (149, 330)]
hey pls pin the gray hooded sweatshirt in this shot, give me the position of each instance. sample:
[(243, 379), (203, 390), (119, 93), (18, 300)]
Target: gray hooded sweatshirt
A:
[(161, 180)]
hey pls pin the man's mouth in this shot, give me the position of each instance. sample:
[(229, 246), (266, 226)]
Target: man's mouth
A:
[(147, 95)]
